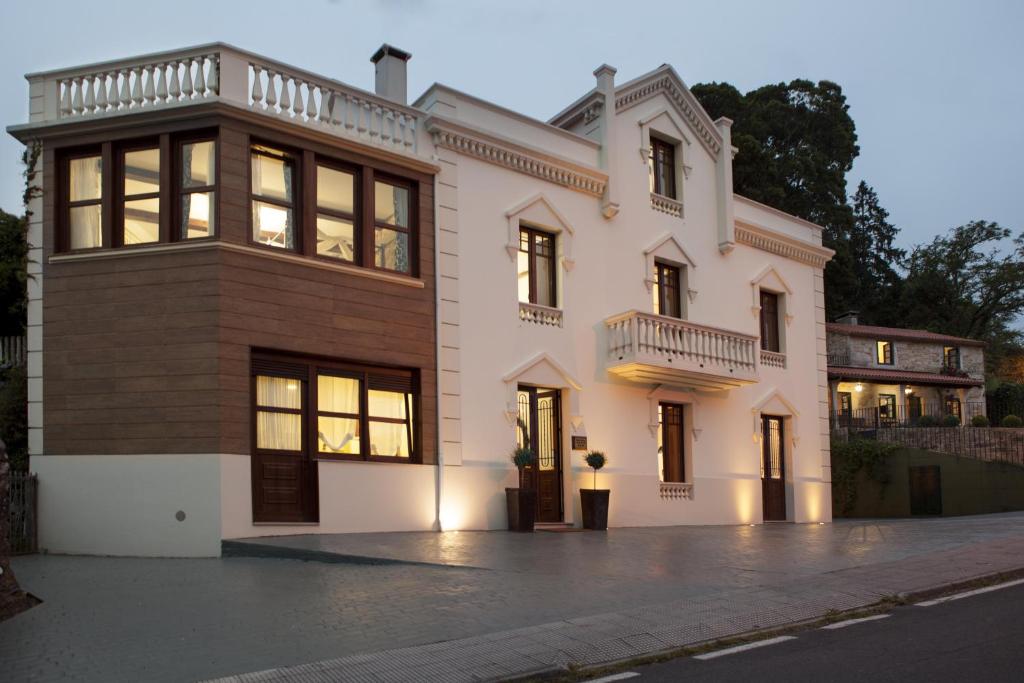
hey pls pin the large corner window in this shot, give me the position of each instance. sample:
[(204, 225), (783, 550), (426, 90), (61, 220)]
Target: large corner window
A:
[(671, 450), (85, 195), (391, 204), (663, 168), (883, 351), (273, 197), (141, 187), (198, 179), (359, 412), (335, 213), (667, 290), (770, 337), (536, 267)]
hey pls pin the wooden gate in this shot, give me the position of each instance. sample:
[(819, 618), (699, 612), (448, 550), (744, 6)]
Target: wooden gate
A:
[(926, 490)]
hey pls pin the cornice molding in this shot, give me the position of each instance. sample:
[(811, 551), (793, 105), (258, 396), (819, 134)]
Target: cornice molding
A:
[(775, 243), (664, 83), (507, 154)]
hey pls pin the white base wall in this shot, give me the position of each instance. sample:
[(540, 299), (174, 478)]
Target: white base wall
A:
[(128, 504), (354, 497)]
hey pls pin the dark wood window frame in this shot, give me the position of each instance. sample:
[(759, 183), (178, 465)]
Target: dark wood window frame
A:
[(771, 330), (371, 219), (531, 252), (664, 408), (845, 406), (358, 200), (294, 159), (885, 357), (370, 377), (887, 406), (176, 229), (113, 196), (668, 278), (663, 157), (951, 357)]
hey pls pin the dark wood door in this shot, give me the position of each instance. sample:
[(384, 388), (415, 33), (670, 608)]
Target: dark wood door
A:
[(284, 476), (540, 410), (773, 469), (926, 490)]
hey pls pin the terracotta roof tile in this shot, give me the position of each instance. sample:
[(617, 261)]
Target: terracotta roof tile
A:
[(899, 333), (901, 376)]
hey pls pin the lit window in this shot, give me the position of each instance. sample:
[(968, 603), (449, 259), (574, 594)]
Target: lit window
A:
[(278, 413), (85, 191), (141, 209), (338, 415), (391, 227), (335, 214), (536, 271), (667, 299), (884, 352), (273, 198), (663, 168), (198, 178)]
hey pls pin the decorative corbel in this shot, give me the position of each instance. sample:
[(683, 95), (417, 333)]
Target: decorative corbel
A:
[(696, 433), (789, 319), (692, 294)]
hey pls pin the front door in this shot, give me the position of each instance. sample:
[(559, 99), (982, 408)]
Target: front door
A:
[(773, 473), (540, 415), (284, 477)]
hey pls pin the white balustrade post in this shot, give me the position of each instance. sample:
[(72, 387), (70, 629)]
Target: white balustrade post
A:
[(233, 77)]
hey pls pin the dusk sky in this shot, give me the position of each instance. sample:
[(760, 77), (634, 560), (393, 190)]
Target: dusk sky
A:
[(935, 89)]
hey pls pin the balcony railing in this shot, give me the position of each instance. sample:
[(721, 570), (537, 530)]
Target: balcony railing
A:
[(218, 72), (652, 348), (540, 315), (841, 359), (773, 359)]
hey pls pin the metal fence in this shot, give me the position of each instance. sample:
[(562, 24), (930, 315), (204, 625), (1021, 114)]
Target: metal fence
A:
[(994, 444), (908, 416), (23, 520)]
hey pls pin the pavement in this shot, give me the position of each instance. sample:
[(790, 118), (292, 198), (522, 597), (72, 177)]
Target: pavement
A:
[(976, 638), (471, 605)]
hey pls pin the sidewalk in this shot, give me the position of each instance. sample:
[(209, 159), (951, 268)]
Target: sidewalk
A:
[(514, 604)]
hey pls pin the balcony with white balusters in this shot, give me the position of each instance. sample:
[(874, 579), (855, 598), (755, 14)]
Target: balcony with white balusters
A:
[(219, 73), (655, 349)]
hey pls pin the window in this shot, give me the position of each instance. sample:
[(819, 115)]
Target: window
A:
[(663, 168), (845, 402), (198, 178), (335, 213), (770, 340), (887, 406), (360, 413), (140, 210), (391, 204), (670, 442), (884, 352), (85, 193), (667, 298), (273, 198), (951, 357), (537, 267), (953, 407)]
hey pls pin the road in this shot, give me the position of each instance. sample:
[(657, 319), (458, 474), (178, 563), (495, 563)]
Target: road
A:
[(976, 638)]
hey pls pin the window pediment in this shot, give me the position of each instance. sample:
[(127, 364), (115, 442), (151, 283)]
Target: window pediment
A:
[(668, 249), (769, 280), (539, 211)]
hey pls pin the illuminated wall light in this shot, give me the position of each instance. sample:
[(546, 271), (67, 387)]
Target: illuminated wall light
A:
[(859, 388), (908, 391)]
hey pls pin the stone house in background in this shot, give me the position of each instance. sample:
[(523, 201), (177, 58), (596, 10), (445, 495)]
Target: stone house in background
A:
[(897, 375)]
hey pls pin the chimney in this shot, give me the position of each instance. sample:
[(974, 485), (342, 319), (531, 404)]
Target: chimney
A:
[(389, 67), (848, 318)]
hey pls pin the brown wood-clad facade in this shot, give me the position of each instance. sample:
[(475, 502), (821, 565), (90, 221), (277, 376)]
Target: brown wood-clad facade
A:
[(148, 349)]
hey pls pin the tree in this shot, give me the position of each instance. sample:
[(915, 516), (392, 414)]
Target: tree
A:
[(967, 283), (872, 250), (796, 144), (13, 259)]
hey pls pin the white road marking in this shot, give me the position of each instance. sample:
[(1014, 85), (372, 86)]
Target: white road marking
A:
[(977, 591), (616, 677), (742, 648), (851, 622)]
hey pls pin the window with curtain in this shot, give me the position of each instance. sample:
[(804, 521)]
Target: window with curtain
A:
[(663, 168), (85, 196), (671, 442), (391, 227), (667, 299), (141, 187), (536, 269), (335, 213), (273, 197), (198, 180), (360, 412)]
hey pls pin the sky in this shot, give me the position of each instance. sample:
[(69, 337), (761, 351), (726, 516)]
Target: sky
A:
[(935, 88)]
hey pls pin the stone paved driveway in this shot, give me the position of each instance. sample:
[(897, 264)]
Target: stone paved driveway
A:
[(140, 619)]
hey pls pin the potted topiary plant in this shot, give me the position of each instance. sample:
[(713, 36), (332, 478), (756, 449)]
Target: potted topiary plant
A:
[(595, 501), (522, 502)]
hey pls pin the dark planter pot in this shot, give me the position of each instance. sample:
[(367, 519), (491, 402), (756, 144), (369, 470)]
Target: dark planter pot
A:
[(522, 509), (595, 508)]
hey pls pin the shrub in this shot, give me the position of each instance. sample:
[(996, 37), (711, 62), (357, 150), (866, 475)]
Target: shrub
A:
[(595, 460), (522, 457), (1011, 421), (979, 421), (849, 458), (950, 421), (927, 421)]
